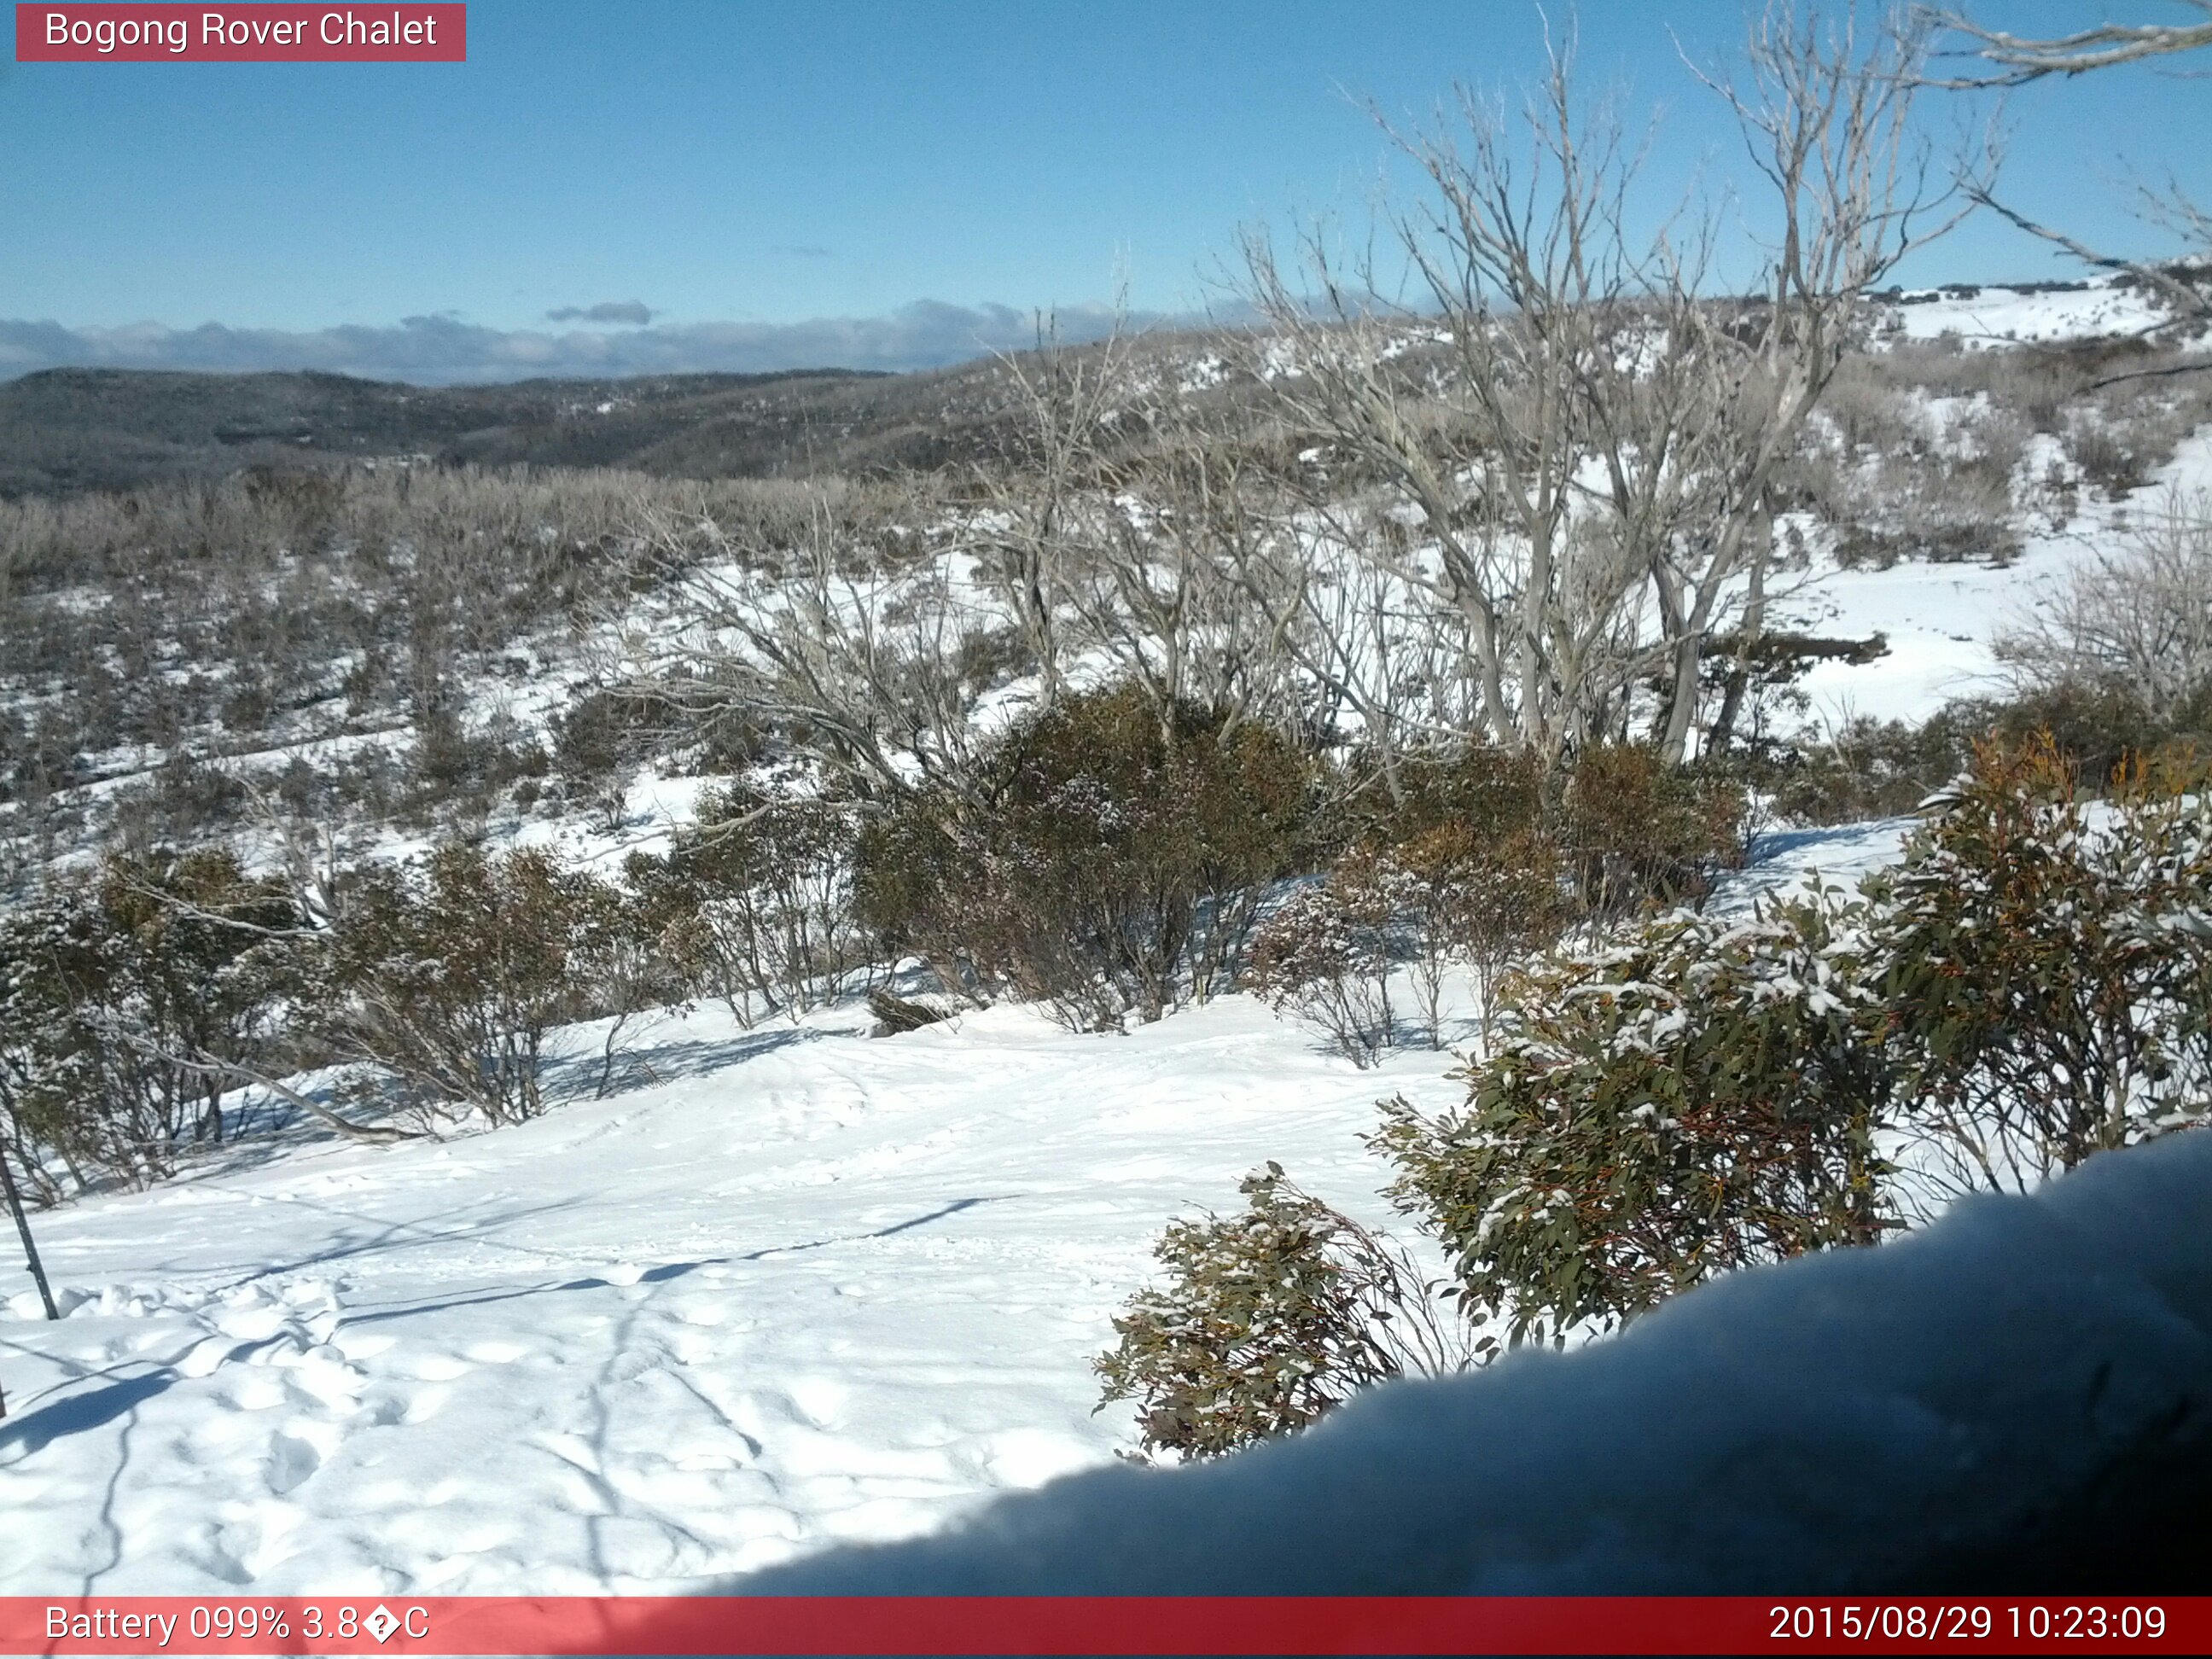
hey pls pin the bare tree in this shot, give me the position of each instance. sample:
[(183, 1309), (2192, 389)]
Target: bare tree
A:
[(2013, 60), (1043, 508), (2138, 617), (1161, 593), (1589, 437), (861, 633), (1827, 112), (1517, 263)]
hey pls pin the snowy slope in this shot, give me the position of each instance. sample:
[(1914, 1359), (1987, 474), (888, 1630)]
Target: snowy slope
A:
[(2014, 1399), (794, 1287), (1996, 315), (807, 1287), (1940, 618)]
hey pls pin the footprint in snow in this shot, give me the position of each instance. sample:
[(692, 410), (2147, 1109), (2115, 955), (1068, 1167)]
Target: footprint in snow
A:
[(291, 1461)]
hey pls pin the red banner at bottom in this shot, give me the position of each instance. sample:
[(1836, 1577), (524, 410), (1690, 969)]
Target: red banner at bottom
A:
[(1093, 1625)]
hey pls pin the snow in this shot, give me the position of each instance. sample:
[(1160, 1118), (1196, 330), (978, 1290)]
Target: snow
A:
[(1780, 861), (789, 1287), (2015, 1397), (1939, 619), (1997, 316), (805, 1287)]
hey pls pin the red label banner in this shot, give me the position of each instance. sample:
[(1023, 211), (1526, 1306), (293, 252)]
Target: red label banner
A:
[(893, 1625), (80, 33)]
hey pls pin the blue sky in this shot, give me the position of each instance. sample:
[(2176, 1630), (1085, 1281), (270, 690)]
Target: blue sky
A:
[(776, 179)]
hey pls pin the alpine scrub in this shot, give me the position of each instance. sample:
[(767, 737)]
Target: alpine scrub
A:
[(1700, 1098), (1267, 1319)]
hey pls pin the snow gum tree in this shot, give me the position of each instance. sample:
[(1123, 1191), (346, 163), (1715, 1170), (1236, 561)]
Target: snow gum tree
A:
[(1588, 438)]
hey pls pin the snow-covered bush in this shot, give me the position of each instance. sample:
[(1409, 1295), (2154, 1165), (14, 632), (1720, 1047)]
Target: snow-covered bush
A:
[(2048, 963), (1268, 1319), (1325, 955), (754, 900), (1105, 858), (1702, 1095), (445, 981), (123, 1001)]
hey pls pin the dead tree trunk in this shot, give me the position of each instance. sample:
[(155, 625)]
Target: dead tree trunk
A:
[(30, 1249)]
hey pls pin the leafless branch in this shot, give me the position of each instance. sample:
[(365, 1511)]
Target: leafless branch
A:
[(2019, 59)]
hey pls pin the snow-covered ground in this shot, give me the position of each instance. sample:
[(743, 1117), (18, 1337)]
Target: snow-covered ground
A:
[(2014, 1398), (806, 1287), (1995, 315), (790, 1286), (787, 1288), (1939, 619)]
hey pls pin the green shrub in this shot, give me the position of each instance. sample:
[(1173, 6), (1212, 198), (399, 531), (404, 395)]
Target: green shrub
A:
[(2031, 986), (1701, 1097), (1872, 769), (2048, 965), (1488, 793), (445, 981), (2101, 728), (597, 742), (1490, 862), (1636, 832), (755, 899), (122, 1001), (1267, 1319), (1869, 768), (1325, 954), (1106, 857)]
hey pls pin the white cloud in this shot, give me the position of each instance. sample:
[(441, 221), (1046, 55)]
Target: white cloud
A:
[(634, 312)]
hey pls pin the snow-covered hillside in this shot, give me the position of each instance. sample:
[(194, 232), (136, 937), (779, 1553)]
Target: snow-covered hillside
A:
[(1939, 619), (786, 1287), (790, 1287), (2001, 314)]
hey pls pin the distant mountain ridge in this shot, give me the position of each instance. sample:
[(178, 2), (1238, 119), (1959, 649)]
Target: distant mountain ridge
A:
[(68, 430), (65, 431)]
